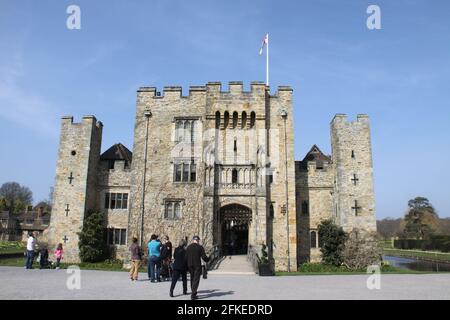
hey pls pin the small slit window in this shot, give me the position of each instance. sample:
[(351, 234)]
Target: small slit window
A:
[(313, 235)]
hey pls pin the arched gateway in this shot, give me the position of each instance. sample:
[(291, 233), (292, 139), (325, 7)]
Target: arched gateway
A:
[(235, 220)]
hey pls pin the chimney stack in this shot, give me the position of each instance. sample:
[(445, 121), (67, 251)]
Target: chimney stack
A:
[(40, 212)]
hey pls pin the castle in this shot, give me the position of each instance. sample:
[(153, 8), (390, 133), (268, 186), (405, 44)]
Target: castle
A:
[(218, 164)]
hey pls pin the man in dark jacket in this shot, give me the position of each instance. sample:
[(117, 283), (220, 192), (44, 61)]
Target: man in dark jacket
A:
[(179, 267), (194, 253)]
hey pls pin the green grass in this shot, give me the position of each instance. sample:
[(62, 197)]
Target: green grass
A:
[(386, 244), (11, 247), (418, 254), (324, 269), (108, 265), (12, 262)]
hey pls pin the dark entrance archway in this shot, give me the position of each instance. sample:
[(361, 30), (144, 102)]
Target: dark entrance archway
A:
[(235, 220)]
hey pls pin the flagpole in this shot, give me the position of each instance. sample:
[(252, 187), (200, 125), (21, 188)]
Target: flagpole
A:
[(267, 60)]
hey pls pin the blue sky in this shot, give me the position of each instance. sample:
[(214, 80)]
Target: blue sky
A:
[(399, 75)]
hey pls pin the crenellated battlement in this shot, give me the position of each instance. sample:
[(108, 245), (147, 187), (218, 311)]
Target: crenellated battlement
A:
[(85, 120), (213, 87), (341, 118)]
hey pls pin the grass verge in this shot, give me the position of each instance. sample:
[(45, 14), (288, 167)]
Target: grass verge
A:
[(418, 254), (323, 269), (11, 247), (109, 265)]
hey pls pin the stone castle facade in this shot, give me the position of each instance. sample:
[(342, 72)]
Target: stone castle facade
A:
[(218, 164)]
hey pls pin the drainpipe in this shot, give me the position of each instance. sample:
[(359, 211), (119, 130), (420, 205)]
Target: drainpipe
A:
[(147, 115), (284, 116)]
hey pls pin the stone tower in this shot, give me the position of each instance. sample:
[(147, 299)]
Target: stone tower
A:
[(216, 163), (75, 182), (354, 204)]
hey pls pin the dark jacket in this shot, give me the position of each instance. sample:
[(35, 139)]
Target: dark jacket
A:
[(136, 252), (180, 262), (194, 253), (166, 250)]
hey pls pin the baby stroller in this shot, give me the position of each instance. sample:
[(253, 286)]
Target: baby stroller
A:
[(166, 269), (44, 263)]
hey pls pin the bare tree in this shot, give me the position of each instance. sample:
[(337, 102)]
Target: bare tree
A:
[(361, 250)]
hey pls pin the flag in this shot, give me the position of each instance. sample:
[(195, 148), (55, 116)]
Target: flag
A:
[(264, 42)]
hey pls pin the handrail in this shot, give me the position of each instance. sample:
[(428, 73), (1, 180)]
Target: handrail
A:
[(253, 257), (214, 254)]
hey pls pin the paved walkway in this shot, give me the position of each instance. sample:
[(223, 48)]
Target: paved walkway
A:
[(18, 283), (229, 265)]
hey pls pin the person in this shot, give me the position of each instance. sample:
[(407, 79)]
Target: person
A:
[(194, 253), (136, 257), (166, 258), (43, 258), (59, 254), (154, 261), (179, 267), (31, 243), (167, 247)]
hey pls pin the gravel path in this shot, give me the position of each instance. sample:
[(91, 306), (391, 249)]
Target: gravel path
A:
[(18, 283)]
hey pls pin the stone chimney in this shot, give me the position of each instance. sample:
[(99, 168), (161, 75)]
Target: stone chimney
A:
[(40, 212)]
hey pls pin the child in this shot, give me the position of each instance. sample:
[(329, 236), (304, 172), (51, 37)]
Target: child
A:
[(59, 254)]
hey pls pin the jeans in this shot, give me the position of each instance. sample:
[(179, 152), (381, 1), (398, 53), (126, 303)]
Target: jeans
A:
[(153, 262), (30, 257)]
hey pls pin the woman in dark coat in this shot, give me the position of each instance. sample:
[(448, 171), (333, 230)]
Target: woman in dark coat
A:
[(179, 267)]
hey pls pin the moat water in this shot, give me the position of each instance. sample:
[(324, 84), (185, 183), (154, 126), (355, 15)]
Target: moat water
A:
[(417, 265)]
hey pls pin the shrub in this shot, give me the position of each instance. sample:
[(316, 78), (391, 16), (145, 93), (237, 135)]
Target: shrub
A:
[(92, 239), (332, 238), (434, 242), (361, 250), (264, 259)]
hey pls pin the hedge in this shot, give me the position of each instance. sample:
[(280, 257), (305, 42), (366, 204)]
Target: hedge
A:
[(436, 242)]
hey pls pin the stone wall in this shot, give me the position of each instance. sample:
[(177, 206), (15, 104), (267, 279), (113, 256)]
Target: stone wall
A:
[(315, 186), (115, 180), (352, 157), (162, 151), (232, 133), (282, 194), (78, 156)]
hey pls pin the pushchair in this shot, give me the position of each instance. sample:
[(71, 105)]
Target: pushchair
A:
[(44, 263), (166, 269)]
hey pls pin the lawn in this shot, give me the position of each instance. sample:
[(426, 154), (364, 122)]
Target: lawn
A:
[(109, 265), (418, 254), (11, 247), (323, 269), (386, 244)]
